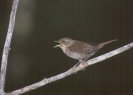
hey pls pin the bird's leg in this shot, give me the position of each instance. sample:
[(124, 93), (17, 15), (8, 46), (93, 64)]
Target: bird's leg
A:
[(77, 64), (83, 63), (80, 63)]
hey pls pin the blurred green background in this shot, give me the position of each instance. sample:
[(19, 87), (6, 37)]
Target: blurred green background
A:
[(40, 22)]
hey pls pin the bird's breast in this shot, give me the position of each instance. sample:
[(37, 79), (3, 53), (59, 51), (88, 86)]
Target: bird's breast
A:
[(74, 55)]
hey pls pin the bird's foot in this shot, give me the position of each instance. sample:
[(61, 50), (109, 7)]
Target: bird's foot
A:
[(82, 65)]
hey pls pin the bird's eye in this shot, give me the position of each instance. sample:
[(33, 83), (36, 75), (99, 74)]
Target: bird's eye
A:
[(64, 41)]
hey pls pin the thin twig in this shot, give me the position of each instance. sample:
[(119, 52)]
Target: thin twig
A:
[(7, 46), (71, 70)]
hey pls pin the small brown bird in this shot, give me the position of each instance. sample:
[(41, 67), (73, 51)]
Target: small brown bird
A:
[(79, 50)]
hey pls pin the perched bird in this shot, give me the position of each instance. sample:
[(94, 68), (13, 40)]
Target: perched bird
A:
[(79, 50)]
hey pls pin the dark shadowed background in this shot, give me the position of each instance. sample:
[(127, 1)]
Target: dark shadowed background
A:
[(40, 22)]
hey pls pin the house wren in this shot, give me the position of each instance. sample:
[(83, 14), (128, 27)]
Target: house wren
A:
[(79, 50)]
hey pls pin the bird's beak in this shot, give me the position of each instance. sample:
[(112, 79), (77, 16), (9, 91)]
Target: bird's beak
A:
[(56, 45), (56, 41)]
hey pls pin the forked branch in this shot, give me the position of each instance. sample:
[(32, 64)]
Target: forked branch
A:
[(45, 81), (71, 71)]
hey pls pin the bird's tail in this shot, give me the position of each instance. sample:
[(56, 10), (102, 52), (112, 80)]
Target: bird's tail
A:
[(103, 44)]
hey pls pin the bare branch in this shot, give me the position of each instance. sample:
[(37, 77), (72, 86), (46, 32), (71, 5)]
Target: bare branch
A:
[(7, 46), (71, 70), (45, 80)]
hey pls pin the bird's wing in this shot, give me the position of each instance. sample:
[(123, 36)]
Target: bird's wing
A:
[(83, 47)]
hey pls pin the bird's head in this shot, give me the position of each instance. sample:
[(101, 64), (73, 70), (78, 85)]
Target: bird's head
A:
[(64, 42)]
